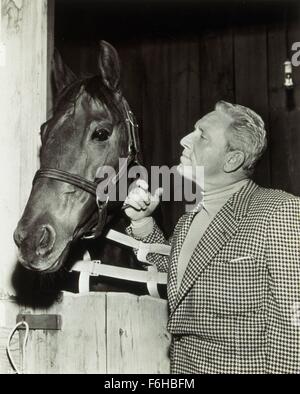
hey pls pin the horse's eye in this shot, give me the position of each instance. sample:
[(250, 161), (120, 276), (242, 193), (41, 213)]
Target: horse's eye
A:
[(100, 135)]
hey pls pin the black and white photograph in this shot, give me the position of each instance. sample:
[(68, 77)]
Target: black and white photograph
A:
[(150, 189)]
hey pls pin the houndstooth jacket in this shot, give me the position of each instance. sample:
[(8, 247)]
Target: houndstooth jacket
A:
[(237, 310)]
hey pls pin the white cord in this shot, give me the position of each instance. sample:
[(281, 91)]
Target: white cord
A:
[(22, 323)]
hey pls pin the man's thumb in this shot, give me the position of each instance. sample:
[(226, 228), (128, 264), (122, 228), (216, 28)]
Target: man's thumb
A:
[(158, 193)]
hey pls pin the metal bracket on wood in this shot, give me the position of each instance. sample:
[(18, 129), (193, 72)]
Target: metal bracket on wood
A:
[(41, 322)]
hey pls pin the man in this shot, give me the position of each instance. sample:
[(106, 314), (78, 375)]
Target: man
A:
[(234, 269)]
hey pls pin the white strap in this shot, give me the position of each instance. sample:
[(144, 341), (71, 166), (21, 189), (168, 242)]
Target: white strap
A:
[(151, 277), (84, 277), (152, 284), (143, 251), (84, 283), (95, 268), (143, 248)]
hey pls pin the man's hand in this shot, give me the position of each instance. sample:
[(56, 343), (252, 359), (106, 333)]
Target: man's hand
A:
[(141, 204)]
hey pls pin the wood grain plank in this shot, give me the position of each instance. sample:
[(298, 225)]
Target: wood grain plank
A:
[(102, 333), (184, 91), (79, 348), (8, 312), (293, 109), (5, 366), (279, 137), (156, 129), (184, 76), (251, 82), (156, 101), (137, 339), (217, 68), (23, 108)]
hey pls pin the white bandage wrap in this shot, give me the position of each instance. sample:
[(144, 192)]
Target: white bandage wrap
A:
[(142, 228), (143, 248)]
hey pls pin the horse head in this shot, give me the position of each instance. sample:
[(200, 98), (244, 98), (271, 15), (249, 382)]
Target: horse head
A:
[(88, 130)]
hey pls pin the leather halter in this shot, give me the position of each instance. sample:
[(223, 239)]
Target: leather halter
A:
[(91, 186)]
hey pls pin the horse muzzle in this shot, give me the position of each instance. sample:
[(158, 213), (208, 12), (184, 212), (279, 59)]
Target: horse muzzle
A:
[(36, 248)]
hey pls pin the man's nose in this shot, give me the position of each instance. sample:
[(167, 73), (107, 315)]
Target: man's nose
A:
[(187, 141)]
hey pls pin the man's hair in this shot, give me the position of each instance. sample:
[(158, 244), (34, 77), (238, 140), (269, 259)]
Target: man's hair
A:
[(246, 133)]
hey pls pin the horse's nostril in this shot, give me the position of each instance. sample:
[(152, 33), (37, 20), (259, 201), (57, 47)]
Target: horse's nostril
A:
[(45, 239), (19, 237)]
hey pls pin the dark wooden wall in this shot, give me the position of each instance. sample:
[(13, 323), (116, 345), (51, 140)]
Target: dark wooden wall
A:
[(180, 58)]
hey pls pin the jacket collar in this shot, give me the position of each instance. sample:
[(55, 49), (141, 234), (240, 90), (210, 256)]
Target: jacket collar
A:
[(240, 201), (219, 232)]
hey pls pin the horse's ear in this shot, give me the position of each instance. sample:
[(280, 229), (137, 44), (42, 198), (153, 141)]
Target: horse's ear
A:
[(109, 65), (63, 76)]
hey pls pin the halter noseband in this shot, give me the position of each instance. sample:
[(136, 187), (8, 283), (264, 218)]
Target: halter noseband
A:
[(90, 186)]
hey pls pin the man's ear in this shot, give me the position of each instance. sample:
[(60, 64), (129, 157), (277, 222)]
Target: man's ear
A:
[(233, 161), (109, 66)]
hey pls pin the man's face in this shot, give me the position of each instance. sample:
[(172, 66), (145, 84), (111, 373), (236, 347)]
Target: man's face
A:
[(206, 146)]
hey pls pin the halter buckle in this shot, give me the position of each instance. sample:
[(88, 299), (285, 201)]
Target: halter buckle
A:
[(132, 128)]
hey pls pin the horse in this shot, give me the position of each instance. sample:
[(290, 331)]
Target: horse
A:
[(88, 130)]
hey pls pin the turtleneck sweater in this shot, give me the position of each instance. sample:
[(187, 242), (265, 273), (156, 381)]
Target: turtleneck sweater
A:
[(213, 201)]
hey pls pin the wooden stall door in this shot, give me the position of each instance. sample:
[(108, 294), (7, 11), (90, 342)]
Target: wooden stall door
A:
[(102, 333)]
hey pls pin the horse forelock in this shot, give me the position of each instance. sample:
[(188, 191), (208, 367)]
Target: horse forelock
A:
[(95, 90), (98, 91)]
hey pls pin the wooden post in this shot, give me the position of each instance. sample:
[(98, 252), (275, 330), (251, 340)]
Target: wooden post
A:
[(137, 339), (23, 103), (23, 100)]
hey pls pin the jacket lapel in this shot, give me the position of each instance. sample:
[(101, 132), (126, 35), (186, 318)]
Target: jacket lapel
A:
[(183, 228), (219, 232)]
